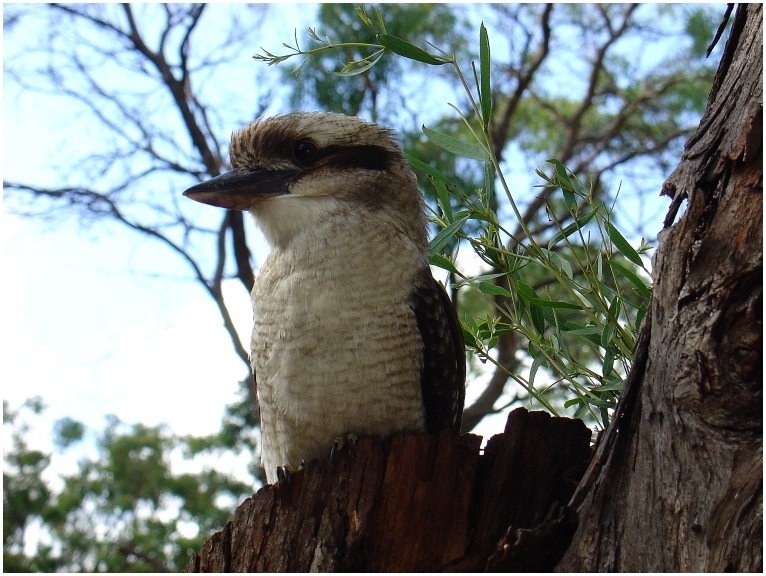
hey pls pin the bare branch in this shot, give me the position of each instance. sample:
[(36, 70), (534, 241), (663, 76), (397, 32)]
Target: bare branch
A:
[(500, 128), (102, 203)]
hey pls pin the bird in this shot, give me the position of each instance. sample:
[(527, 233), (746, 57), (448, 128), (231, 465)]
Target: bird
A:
[(352, 334)]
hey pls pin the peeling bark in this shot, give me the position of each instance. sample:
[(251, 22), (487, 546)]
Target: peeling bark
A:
[(681, 487), (413, 503)]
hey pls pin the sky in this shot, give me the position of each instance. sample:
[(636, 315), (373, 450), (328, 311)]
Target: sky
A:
[(96, 319), (99, 321)]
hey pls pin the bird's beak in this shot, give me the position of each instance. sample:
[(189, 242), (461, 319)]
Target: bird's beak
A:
[(240, 189)]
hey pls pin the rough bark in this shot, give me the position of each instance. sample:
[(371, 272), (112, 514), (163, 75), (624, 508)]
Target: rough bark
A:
[(675, 483), (677, 486), (414, 503)]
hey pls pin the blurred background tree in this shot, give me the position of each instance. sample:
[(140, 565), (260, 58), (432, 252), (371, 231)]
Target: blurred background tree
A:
[(612, 91)]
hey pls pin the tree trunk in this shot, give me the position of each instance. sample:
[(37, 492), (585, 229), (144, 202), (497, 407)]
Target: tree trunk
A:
[(676, 481), (677, 487)]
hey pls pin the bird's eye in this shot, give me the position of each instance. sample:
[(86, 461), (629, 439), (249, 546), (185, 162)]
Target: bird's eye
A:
[(304, 151)]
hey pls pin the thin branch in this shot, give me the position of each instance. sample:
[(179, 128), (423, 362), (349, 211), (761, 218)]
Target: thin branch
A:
[(102, 203), (501, 127)]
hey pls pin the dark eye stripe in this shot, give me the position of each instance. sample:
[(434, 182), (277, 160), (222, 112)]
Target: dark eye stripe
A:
[(366, 157)]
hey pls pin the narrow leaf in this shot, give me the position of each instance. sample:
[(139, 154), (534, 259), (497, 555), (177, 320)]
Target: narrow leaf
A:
[(526, 291), (533, 370), (441, 261), (381, 23), (622, 245), (528, 294), (586, 331), (564, 182), (609, 359), (614, 386), (611, 323), (633, 278), (362, 15), (483, 277), (489, 180), (640, 313), (404, 48), (493, 290), (444, 201), (535, 311), (485, 89), (432, 173), (537, 318), (445, 235), (355, 68), (560, 263), (458, 147), (567, 231), (444, 188)]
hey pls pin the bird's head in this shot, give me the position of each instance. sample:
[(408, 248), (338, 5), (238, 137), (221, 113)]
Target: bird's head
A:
[(289, 171)]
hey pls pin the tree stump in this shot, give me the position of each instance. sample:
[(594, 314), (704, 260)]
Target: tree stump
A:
[(413, 503)]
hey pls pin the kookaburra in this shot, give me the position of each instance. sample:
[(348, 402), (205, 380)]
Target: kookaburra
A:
[(352, 333)]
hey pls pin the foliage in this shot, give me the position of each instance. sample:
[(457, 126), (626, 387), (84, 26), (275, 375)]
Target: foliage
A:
[(127, 508), (317, 81)]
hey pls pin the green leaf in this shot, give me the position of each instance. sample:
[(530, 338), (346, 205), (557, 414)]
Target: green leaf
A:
[(441, 261), (485, 91), (528, 294), (536, 364), (594, 301), (609, 359), (559, 262), (445, 235), (362, 15), (640, 313), (582, 407), (493, 290), (613, 386), (458, 147), (469, 339), (535, 311), (354, 68), (633, 278), (428, 170), (622, 245), (381, 23), (572, 402), (438, 179), (443, 186), (538, 318), (565, 183), (567, 231), (404, 48), (483, 277), (585, 331), (489, 181), (611, 322), (526, 291)]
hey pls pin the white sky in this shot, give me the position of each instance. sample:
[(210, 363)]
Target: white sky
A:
[(83, 325)]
